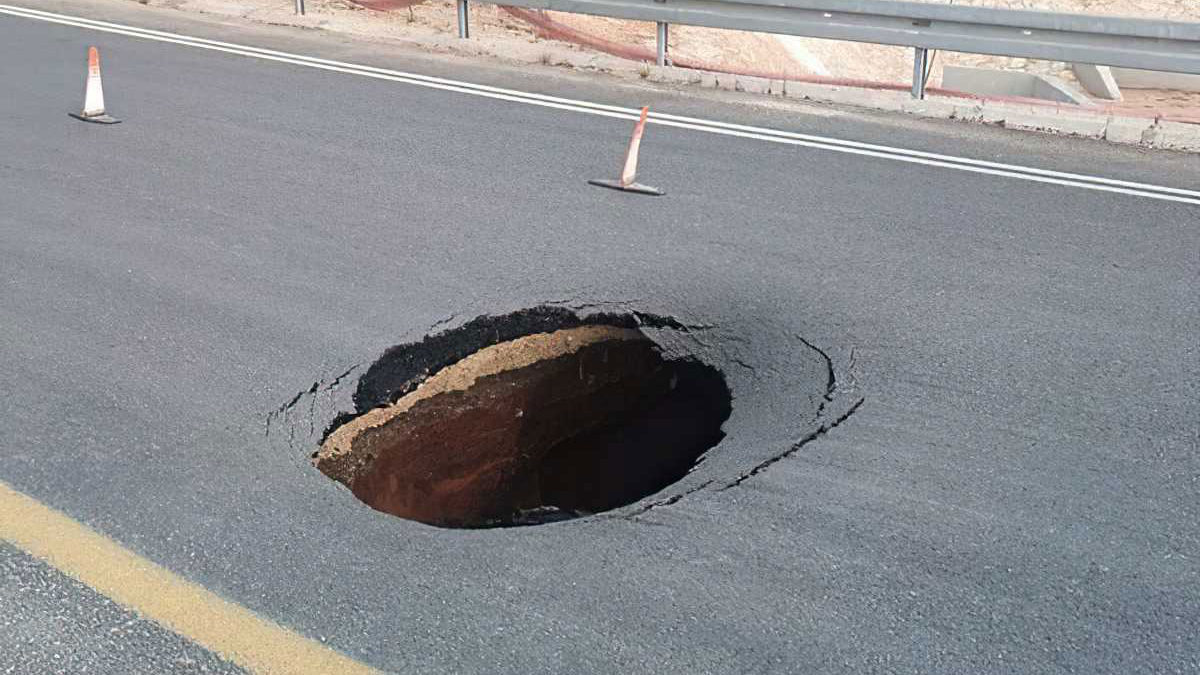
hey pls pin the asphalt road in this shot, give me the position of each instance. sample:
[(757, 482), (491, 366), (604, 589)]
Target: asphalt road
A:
[(53, 623), (1017, 493)]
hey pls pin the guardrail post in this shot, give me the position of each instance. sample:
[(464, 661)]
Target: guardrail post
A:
[(464, 30), (662, 42), (920, 60), (300, 7)]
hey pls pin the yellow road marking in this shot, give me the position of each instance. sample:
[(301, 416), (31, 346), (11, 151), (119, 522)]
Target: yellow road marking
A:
[(234, 632)]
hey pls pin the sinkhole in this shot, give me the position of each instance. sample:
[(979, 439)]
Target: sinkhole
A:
[(530, 418)]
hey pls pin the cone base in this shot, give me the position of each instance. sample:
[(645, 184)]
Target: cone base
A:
[(97, 119), (632, 187)]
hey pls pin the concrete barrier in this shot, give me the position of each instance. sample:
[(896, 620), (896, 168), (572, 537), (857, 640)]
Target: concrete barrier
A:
[(1097, 81), (988, 82)]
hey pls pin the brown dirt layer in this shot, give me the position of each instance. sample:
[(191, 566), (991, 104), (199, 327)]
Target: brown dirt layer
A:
[(468, 445)]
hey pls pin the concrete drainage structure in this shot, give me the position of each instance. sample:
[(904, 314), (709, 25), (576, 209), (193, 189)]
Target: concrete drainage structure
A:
[(563, 418)]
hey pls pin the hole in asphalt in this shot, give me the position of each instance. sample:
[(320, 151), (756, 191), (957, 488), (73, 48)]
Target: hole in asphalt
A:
[(580, 417)]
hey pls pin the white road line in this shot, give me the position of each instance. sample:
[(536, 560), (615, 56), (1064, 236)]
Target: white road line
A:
[(696, 124)]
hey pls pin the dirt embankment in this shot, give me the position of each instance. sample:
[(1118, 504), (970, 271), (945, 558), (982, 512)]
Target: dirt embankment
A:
[(549, 36), (787, 57)]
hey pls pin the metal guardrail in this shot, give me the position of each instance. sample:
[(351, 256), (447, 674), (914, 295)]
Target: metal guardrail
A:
[(1147, 44)]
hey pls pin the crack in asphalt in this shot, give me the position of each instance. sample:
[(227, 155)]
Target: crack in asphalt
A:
[(338, 380), (830, 379), (319, 386), (820, 431), (443, 322), (276, 413), (833, 389), (658, 321), (743, 364), (665, 501)]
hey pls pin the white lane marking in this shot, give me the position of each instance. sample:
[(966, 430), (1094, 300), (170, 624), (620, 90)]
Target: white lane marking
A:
[(710, 126)]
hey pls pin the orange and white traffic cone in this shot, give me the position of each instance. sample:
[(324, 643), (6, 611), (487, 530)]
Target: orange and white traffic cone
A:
[(93, 95), (627, 181)]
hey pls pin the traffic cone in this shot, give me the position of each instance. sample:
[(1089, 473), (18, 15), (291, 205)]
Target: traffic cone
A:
[(627, 181), (93, 96)]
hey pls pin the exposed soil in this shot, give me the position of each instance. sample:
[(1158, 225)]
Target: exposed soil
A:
[(539, 428)]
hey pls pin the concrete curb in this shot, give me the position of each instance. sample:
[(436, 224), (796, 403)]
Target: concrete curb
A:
[(989, 82), (1063, 120)]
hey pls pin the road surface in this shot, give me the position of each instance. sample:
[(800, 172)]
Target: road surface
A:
[(1016, 493)]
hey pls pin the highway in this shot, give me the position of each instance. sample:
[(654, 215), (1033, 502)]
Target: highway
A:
[(1017, 489)]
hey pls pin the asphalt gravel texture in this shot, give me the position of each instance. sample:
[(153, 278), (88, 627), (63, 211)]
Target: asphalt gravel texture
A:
[(1012, 488), (51, 623)]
